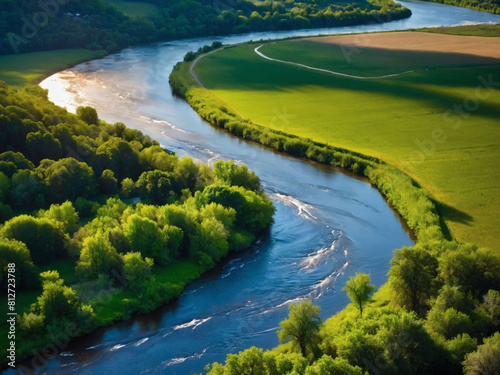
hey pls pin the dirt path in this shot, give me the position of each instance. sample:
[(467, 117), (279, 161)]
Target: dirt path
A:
[(193, 64), (256, 50)]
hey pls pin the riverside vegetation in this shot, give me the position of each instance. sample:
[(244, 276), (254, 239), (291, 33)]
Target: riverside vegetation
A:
[(492, 6), (101, 222), (439, 312)]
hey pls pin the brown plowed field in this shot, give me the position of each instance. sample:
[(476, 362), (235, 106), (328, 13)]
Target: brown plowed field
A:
[(419, 41)]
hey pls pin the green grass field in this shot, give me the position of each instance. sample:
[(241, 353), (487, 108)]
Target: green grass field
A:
[(413, 121), (27, 68), (474, 30), (135, 8)]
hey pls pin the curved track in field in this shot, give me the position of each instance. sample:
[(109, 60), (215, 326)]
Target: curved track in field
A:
[(256, 50)]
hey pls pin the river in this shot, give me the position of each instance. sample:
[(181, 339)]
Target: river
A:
[(328, 225)]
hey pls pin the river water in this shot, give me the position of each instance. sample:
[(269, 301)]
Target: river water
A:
[(328, 225)]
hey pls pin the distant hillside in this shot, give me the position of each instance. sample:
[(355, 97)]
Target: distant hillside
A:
[(31, 25), (492, 6)]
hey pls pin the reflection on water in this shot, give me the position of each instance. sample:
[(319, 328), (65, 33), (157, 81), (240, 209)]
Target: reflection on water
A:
[(328, 225)]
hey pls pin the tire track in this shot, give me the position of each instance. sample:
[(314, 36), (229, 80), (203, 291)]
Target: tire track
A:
[(256, 50)]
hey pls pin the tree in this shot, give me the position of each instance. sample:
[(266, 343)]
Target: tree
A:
[(211, 238), (475, 270), (250, 361), (253, 211), (26, 188), (226, 216), (12, 251), (64, 214), (136, 269), (358, 347), (155, 157), (290, 363), (88, 115), (127, 189), (42, 145), (486, 359), (412, 278), (448, 322), (4, 187), (457, 348), (145, 237), (359, 290), (186, 172), (301, 327), (50, 277), (8, 168), (491, 306), (59, 303), (190, 56), (67, 179), (326, 365), (158, 187), (113, 208), (98, 256), (117, 155), (18, 159), (182, 218), (234, 175), (108, 183), (407, 345), (43, 237), (6, 212)]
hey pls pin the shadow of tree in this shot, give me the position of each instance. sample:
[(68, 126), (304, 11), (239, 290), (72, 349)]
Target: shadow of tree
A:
[(449, 213)]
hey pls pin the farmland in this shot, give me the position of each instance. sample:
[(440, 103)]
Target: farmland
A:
[(438, 122)]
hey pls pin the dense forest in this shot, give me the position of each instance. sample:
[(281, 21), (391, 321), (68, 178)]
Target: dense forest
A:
[(492, 6), (113, 211), (439, 313), (57, 24)]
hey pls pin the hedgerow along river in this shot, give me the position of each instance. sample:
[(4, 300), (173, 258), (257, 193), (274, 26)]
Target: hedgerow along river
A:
[(328, 225)]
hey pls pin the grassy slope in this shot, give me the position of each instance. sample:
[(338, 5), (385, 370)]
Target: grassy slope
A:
[(22, 69), (135, 8), (383, 118)]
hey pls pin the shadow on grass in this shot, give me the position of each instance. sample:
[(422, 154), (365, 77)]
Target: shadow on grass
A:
[(449, 213)]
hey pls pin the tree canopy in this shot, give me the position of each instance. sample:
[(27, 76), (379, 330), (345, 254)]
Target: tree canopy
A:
[(301, 327), (110, 209), (359, 290)]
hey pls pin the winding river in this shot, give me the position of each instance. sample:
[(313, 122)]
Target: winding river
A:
[(328, 224)]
